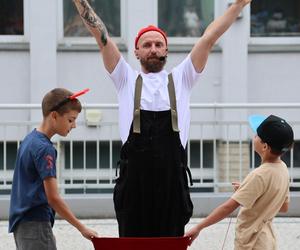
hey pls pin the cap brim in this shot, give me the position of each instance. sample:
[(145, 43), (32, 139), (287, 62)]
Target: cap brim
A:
[(255, 121)]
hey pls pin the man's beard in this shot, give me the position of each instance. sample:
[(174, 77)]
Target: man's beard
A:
[(153, 64)]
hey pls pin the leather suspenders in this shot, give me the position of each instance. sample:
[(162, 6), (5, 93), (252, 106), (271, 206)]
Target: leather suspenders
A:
[(172, 97), (137, 103)]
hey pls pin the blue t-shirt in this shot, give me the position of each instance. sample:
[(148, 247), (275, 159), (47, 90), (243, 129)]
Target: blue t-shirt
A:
[(35, 161)]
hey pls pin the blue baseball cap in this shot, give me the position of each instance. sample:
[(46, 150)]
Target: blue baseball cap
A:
[(255, 121), (274, 131)]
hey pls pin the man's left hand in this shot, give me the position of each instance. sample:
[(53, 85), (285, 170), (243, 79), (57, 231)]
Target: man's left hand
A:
[(243, 2)]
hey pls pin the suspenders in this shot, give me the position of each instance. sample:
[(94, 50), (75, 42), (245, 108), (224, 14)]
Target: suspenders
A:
[(172, 97), (137, 102)]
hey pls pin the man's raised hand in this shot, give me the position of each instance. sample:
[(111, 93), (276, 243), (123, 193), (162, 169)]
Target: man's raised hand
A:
[(92, 21), (243, 2)]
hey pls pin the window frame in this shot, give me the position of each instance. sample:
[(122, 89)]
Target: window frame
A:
[(86, 42), (14, 39), (184, 43), (179, 43), (272, 40)]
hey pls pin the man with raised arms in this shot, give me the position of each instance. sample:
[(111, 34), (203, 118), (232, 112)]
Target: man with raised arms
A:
[(151, 196)]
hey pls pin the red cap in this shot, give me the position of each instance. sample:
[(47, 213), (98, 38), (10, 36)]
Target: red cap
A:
[(150, 28)]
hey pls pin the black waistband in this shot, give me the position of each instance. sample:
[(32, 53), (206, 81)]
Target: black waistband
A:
[(155, 123), (155, 114)]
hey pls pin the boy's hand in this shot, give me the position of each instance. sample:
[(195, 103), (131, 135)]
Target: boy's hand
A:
[(88, 233), (235, 185), (192, 234)]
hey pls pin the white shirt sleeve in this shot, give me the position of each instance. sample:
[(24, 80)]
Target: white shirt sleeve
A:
[(185, 77), (121, 74), (186, 73), (124, 78)]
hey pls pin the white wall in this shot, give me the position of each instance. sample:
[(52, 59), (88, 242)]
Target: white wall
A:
[(14, 72), (273, 77), (232, 73)]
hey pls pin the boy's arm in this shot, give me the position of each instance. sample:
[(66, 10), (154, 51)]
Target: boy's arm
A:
[(215, 216), (60, 206), (213, 32), (284, 208), (96, 27)]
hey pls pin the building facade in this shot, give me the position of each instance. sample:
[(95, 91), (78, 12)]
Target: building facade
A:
[(43, 45)]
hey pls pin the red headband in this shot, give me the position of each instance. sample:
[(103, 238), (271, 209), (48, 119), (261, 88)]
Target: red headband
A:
[(150, 28), (69, 98)]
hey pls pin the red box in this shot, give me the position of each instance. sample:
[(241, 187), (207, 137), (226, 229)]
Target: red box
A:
[(159, 243)]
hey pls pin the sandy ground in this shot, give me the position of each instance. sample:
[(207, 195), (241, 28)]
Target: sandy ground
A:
[(212, 238)]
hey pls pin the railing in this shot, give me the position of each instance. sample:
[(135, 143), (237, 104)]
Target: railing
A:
[(219, 149)]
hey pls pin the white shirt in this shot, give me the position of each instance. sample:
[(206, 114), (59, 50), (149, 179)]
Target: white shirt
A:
[(155, 95)]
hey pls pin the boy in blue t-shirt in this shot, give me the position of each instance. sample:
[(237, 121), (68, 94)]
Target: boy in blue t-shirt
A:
[(35, 196)]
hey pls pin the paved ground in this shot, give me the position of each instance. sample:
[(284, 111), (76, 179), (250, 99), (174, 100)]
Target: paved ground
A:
[(288, 235)]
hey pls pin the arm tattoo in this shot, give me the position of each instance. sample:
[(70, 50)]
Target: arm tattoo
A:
[(92, 20)]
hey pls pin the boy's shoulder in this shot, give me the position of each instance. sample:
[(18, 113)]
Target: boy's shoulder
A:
[(269, 170), (36, 141), (270, 166)]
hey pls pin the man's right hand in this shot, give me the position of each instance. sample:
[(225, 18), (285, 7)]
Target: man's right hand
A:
[(109, 50), (92, 21)]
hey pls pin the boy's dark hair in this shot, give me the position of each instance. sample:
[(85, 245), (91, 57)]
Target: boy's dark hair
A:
[(274, 151), (277, 133), (51, 102)]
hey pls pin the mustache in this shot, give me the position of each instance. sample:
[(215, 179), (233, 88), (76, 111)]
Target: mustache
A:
[(160, 58)]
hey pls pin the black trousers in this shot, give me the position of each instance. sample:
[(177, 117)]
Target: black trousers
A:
[(151, 195)]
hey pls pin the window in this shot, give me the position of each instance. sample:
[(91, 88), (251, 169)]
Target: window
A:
[(11, 17), (185, 18), (296, 154), (207, 154), (286, 157), (207, 162), (108, 11), (90, 162), (276, 18), (91, 154), (8, 154)]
